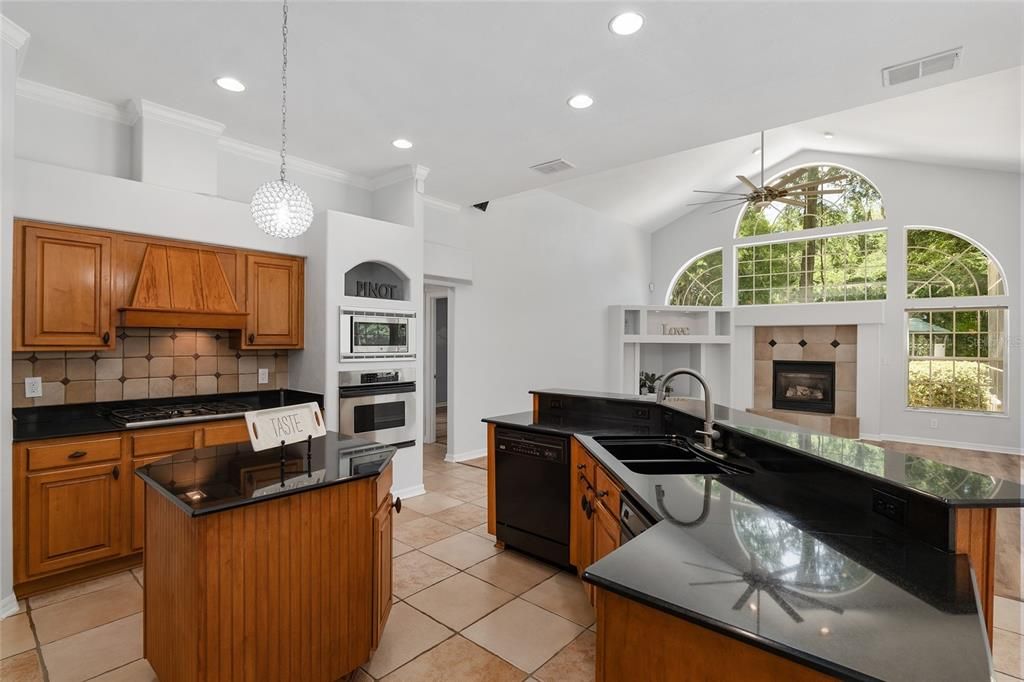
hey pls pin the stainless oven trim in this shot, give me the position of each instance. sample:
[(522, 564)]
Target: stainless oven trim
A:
[(370, 319)]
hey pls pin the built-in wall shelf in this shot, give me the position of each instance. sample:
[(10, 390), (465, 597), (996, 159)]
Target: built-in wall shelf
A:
[(658, 339)]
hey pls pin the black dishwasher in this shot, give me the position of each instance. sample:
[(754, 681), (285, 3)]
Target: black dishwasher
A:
[(531, 472)]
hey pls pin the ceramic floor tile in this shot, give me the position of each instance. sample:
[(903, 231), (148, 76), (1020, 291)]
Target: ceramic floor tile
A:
[(46, 598), (408, 633), (139, 574), (1001, 677), (1009, 615), (512, 572), (459, 601), (16, 635), (480, 502), (136, 671), (574, 663), (523, 634), (406, 516), (1008, 652), (415, 571), (399, 548), (563, 594), (465, 516), (431, 503), (438, 483), (95, 651), (462, 550), (23, 667), (481, 530), (71, 616), (423, 531), (472, 474), (459, 660), (466, 491)]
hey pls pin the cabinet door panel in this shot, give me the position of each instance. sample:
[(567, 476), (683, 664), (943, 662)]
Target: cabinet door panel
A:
[(274, 300), (606, 532), (74, 517), (66, 280), (382, 578), (138, 508)]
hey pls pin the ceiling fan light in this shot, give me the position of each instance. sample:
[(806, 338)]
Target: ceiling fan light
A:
[(281, 209)]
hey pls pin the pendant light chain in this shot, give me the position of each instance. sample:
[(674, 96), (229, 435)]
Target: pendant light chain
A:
[(284, 85)]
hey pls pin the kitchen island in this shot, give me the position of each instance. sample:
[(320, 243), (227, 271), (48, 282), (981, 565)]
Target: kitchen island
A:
[(267, 567), (785, 554)]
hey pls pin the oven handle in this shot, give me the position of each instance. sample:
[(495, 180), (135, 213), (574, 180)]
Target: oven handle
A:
[(376, 389)]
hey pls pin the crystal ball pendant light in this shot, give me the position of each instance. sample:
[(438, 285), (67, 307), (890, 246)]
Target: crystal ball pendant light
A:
[(281, 208)]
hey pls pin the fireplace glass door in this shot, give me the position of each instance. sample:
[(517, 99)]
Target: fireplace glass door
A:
[(804, 386)]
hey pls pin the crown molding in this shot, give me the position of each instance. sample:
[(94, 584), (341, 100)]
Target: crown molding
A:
[(144, 109), (265, 154), (441, 204), (16, 37), (411, 172), (64, 99)]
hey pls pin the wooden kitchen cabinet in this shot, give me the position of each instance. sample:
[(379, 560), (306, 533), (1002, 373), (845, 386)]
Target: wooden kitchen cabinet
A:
[(62, 287), (382, 569), (73, 517), (138, 508), (274, 300), (581, 536)]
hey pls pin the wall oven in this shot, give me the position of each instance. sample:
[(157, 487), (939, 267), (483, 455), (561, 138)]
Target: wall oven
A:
[(371, 334), (378, 405)]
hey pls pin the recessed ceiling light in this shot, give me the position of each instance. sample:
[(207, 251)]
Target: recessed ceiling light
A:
[(581, 101), (401, 143), (756, 151), (626, 24), (230, 84), (829, 136)]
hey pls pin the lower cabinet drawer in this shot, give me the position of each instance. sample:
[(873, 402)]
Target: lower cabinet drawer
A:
[(176, 440), (73, 453), (225, 434)]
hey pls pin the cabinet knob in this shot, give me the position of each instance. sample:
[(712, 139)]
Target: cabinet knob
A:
[(602, 493), (397, 504), (581, 466), (106, 337), (77, 454), (252, 338), (116, 472)]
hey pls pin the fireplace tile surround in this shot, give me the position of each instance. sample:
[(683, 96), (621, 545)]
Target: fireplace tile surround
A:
[(820, 343)]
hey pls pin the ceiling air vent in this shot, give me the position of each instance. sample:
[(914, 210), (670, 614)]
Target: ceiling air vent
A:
[(549, 167), (926, 66)]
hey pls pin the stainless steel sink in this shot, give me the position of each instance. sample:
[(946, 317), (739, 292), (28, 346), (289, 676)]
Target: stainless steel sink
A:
[(664, 455)]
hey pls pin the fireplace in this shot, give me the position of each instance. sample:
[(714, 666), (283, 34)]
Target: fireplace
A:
[(804, 386)]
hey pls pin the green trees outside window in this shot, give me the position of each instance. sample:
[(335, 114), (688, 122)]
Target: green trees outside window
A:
[(941, 264), (839, 268), (700, 283)]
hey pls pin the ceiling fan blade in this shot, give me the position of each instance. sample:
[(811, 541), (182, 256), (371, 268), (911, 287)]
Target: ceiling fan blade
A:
[(711, 191), (815, 192), (716, 201), (748, 183), (788, 177), (818, 183), (791, 202), (726, 208)]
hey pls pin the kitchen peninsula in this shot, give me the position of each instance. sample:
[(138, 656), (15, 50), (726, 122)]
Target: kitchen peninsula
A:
[(782, 554), (267, 565)]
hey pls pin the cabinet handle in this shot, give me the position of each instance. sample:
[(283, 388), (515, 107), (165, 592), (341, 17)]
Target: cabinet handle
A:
[(77, 453), (397, 504), (106, 337), (581, 466), (116, 472), (252, 338), (602, 493)]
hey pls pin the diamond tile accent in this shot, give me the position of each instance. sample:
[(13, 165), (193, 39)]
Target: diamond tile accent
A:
[(122, 378), (173, 377), (174, 335), (802, 343), (237, 355), (217, 374), (32, 358), (835, 343), (195, 356), (218, 337), (773, 343), (65, 381), (94, 357), (149, 356), (123, 335)]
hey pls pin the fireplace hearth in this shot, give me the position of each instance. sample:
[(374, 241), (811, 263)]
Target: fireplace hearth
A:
[(804, 386)]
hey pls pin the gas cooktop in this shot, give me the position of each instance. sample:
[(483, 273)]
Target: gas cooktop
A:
[(138, 417)]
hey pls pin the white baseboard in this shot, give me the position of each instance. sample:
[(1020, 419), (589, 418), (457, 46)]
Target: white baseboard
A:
[(411, 491), (463, 456), (942, 443), (8, 606)]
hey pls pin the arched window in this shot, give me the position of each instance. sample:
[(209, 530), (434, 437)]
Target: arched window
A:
[(835, 196), (943, 264), (699, 282)]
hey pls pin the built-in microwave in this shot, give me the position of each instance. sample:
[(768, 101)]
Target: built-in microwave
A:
[(368, 334)]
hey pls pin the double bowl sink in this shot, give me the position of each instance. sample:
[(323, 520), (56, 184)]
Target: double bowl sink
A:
[(665, 455)]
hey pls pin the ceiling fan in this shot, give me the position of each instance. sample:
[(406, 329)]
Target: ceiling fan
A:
[(778, 192)]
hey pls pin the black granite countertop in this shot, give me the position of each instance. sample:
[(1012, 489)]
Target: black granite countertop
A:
[(56, 421), (555, 426), (813, 590), (208, 480), (954, 486)]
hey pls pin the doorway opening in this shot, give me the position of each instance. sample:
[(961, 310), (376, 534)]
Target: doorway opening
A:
[(437, 410)]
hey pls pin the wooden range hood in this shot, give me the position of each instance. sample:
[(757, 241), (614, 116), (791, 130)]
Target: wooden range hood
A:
[(181, 286)]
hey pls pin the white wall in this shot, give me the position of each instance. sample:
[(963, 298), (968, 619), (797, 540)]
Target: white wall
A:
[(984, 205), (545, 270)]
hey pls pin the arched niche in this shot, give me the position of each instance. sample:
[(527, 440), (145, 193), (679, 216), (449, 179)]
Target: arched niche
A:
[(377, 280)]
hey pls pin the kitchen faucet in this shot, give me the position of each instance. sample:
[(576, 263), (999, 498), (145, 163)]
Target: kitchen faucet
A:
[(709, 432)]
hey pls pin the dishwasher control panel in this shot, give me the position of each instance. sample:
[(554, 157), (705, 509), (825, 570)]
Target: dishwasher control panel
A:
[(551, 448)]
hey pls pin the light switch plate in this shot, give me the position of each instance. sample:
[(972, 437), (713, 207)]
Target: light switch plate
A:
[(33, 387), (264, 376)]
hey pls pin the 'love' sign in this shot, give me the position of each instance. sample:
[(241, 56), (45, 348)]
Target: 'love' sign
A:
[(292, 424)]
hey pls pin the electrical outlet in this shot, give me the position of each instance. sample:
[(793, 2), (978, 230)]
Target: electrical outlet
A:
[(889, 506), (933, 423), (33, 387), (264, 376)]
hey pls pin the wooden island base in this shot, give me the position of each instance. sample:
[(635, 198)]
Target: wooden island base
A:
[(294, 588), (637, 642)]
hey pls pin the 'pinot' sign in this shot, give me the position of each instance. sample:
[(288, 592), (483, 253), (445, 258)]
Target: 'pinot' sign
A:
[(376, 289)]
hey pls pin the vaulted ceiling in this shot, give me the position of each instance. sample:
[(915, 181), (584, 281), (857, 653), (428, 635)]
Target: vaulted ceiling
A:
[(481, 87)]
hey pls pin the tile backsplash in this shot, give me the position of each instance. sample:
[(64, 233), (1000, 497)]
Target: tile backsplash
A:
[(148, 363)]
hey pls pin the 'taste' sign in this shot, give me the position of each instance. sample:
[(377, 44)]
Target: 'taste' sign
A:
[(292, 424)]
